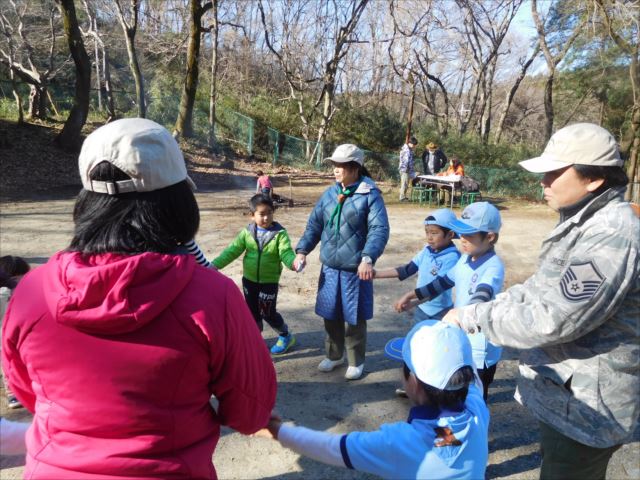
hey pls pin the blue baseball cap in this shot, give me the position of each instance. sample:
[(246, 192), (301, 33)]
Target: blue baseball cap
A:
[(443, 217), (478, 217), (433, 351)]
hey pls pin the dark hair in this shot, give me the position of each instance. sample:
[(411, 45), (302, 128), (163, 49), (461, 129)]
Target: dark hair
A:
[(413, 141), (362, 170), (14, 266), (450, 399), (133, 222), (612, 176), (260, 199), (431, 218), (10, 267), (484, 235), (259, 173)]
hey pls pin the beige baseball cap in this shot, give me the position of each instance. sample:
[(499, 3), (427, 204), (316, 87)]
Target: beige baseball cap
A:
[(580, 143), (346, 153), (141, 148)]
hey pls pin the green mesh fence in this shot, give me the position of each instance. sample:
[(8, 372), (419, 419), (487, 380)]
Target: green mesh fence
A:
[(288, 150), (235, 128), (382, 165), (506, 182)]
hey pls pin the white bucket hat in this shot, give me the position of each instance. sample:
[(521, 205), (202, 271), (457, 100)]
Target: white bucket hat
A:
[(580, 143), (141, 148), (346, 153)]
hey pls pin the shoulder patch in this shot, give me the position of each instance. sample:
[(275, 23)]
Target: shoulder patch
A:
[(581, 281)]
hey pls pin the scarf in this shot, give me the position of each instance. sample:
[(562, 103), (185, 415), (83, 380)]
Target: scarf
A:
[(342, 196)]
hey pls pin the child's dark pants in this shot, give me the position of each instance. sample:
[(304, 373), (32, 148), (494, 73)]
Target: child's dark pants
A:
[(261, 299)]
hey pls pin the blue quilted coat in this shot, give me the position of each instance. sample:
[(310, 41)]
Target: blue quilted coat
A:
[(364, 231)]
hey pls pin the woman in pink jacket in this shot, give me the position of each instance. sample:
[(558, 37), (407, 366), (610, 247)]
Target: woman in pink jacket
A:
[(117, 343)]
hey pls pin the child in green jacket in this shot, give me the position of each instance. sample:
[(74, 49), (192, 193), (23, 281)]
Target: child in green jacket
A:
[(267, 247)]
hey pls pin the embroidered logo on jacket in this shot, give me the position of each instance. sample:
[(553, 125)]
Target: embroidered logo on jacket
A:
[(581, 282)]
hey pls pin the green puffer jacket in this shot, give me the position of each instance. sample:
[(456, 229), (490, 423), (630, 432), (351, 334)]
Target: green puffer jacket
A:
[(260, 266)]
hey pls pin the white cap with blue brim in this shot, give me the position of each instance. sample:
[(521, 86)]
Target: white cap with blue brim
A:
[(433, 351)]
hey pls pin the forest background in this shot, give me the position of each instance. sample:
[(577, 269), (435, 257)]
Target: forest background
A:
[(264, 78)]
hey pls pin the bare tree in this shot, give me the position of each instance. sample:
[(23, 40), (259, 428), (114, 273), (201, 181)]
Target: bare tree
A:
[(552, 59), (21, 56), (10, 56), (300, 22), (103, 74), (622, 23), (69, 137), (184, 123), (485, 27), (213, 88), (525, 63), (129, 23)]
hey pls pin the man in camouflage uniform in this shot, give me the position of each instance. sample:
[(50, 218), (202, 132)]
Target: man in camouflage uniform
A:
[(577, 319)]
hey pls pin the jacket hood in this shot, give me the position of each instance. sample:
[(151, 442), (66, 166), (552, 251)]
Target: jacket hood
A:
[(111, 294)]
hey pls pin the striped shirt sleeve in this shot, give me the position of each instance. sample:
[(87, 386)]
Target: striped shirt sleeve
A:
[(194, 250)]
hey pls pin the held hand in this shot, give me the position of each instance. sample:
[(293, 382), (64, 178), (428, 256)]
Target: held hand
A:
[(300, 259), (406, 302), (365, 271), (298, 266), (453, 318), (272, 429)]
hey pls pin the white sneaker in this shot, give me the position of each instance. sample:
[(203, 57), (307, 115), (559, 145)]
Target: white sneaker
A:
[(354, 373), (326, 365)]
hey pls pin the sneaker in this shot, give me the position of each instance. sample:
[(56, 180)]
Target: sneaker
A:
[(13, 402), (354, 373), (284, 343), (401, 392), (327, 364)]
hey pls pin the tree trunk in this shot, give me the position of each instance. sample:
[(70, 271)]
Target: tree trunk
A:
[(548, 107), (130, 36), (410, 114), (512, 92), (485, 121), (69, 138), (136, 72), (17, 96), (38, 101), (214, 77), (184, 123), (111, 109), (96, 53)]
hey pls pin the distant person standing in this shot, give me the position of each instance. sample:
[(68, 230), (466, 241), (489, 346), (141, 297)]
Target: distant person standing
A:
[(264, 185), (406, 167), (433, 159)]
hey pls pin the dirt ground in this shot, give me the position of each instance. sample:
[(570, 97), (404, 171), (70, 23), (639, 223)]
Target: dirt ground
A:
[(35, 229)]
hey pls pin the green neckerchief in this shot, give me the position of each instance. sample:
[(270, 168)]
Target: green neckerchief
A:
[(342, 196)]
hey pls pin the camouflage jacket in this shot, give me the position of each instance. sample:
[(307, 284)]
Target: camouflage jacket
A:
[(577, 322)]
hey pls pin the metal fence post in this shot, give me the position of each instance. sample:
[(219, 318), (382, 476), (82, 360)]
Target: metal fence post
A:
[(250, 139)]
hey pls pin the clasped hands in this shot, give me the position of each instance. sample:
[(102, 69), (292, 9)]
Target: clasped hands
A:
[(365, 270)]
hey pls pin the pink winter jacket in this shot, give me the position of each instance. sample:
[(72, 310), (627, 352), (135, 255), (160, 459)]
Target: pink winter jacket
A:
[(117, 356)]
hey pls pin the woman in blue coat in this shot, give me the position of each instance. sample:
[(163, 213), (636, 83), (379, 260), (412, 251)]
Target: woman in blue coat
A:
[(350, 220)]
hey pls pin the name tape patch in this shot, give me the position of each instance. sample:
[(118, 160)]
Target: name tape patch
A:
[(581, 281)]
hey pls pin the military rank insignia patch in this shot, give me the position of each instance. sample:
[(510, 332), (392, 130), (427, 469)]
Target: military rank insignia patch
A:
[(581, 281)]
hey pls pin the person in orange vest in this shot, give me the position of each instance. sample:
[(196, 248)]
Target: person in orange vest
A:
[(455, 168)]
